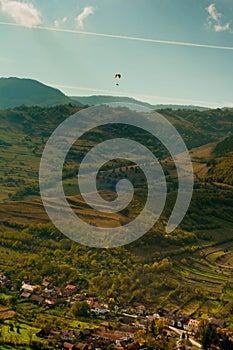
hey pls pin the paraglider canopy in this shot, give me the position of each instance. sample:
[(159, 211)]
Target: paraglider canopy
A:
[(117, 76)]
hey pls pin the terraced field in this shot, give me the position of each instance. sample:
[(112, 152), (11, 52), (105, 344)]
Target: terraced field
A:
[(210, 271)]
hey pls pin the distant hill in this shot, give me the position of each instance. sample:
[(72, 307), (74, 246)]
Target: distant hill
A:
[(186, 107), (98, 99), (16, 92)]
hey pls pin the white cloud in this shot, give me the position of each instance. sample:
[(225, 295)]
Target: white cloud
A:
[(88, 10), (59, 22), (23, 13), (219, 28), (214, 14), (214, 20)]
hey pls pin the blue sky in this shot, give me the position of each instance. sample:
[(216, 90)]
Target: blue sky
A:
[(79, 45)]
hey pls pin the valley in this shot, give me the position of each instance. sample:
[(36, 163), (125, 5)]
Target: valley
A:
[(186, 272)]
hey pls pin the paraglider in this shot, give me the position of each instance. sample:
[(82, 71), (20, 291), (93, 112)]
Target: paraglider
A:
[(117, 76)]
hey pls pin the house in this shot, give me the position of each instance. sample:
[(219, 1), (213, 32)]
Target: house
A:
[(49, 289), (28, 287), (70, 289), (70, 300), (37, 299), (179, 321), (25, 295), (91, 299), (82, 346), (50, 302), (54, 301), (57, 290), (186, 325), (192, 325), (98, 309), (216, 322), (79, 296), (45, 284)]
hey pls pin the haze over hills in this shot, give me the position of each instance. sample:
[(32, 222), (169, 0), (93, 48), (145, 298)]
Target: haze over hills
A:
[(15, 92), (99, 99)]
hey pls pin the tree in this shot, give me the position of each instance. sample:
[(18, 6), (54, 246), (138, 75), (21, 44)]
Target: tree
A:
[(226, 343), (152, 327), (80, 308), (209, 337)]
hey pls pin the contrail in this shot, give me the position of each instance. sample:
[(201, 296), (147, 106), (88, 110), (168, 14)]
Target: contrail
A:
[(124, 37)]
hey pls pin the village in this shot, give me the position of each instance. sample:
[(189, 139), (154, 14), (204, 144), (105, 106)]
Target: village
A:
[(119, 327)]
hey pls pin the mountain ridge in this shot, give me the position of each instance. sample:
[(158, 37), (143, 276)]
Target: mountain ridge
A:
[(22, 91), (99, 99)]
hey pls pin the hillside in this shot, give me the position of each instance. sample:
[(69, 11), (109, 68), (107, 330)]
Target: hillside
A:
[(224, 147), (220, 169), (16, 92), (213, 162)]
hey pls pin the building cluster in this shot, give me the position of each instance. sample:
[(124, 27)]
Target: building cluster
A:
[(49, 295), (100, 337), (132, 318), (192, 325)]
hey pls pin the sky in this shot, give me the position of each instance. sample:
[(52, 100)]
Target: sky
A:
[(168, 51)]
